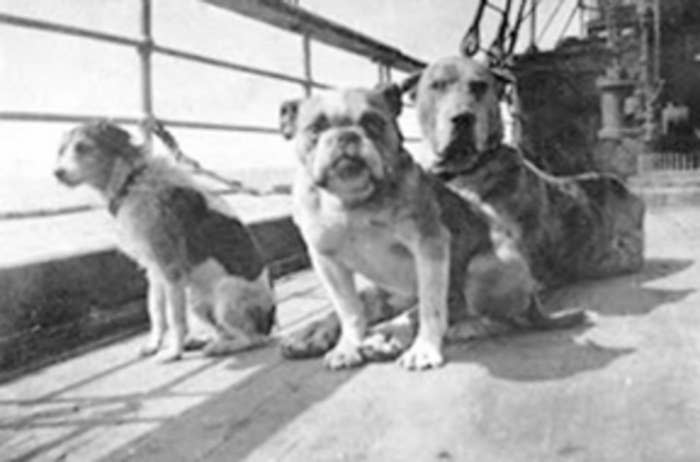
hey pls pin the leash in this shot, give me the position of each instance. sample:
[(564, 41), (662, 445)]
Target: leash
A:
[(157, 127)]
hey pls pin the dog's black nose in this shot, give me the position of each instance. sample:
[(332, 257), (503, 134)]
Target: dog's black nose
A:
[(464, 119), (348, 138), (60, 174)]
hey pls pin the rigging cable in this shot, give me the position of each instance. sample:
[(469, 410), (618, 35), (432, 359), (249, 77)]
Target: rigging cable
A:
[(549, 20), (471, 41)]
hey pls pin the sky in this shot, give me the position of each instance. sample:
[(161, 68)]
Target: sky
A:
[(42, 71)]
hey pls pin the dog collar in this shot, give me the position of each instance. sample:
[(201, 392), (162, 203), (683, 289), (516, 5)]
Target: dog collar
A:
[(451, 169), (116, 201)]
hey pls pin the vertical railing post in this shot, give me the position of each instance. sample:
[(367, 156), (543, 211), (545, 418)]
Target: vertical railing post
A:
[(384, 72), (308, 76), (145, 52), (533, 25)]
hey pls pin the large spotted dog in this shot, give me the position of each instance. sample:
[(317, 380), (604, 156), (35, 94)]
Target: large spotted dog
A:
[(365, 207), (570, 228)]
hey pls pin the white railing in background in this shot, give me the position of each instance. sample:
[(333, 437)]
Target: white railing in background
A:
[(668, 162)]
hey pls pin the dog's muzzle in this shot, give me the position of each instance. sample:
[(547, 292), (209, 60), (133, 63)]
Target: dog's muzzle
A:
[(348, 167), (63, 176), (60, 174), (349, 177), (463, 120), (460, 138)]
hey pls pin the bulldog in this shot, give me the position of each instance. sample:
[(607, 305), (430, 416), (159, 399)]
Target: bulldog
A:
[(365, 207)]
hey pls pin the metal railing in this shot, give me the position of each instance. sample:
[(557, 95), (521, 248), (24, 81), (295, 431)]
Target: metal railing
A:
[(146, 47), (668, 162)]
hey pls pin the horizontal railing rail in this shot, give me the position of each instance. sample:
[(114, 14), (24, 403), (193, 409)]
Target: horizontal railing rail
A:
[(23, 116), (49, 26)]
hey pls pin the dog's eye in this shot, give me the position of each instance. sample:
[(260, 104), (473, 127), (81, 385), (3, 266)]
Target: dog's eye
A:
[(439, 84), (478, 87), (319, 124), (373, 123), (314, 129), (81, 148)]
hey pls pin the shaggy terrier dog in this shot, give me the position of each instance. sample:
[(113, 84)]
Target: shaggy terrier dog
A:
[(194, 250)]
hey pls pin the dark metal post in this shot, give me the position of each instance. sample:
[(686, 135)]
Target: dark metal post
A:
[(308, 77), (533, 25), (657, 41), (145, 51), (384, 72)]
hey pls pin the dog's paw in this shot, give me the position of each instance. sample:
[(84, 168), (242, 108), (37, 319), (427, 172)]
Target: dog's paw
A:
[(590, 318), (193, 343), (343, 356), (380, 346), (148, 349), (218, 348), (168, 355), (313, 340), (422, 355)]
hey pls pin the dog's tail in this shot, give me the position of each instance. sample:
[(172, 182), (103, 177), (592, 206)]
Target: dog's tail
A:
[(229, 346), (564, 319)]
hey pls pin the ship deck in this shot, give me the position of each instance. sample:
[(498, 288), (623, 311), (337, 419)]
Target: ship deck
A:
[(627, 388)]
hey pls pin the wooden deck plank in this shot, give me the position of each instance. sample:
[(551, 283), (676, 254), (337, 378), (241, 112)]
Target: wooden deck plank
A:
[(624, 389), (90, 405)]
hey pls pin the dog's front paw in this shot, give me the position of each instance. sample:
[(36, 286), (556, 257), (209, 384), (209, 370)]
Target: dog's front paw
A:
[(193, 343), (345, 355), (422, 355), (380, 346), (168, 355), (149, 349)]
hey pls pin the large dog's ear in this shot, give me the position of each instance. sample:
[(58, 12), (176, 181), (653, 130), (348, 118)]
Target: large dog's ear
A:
[(409, 86), (392, 96), (288, 118), (503, 77)]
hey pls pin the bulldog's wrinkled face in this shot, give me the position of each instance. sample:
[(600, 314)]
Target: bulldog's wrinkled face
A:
[(458, 108), (348, 141), (88, 152)]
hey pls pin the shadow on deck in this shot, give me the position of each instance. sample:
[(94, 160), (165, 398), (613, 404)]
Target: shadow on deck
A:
[(625, 388)]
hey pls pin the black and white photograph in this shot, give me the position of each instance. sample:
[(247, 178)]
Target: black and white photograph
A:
[(335, 230)]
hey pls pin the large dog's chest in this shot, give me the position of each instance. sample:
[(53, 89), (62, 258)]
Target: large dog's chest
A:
[(364, 245)]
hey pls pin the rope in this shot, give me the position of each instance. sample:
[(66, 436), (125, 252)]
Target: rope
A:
[(500, 52), (471, 41), (234, 186), (498, 43), (520, 19), (549, 19), (568, 22)]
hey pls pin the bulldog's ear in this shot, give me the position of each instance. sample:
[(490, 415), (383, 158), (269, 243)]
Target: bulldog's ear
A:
[(288, 118), (409, 86), (392, 96)]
